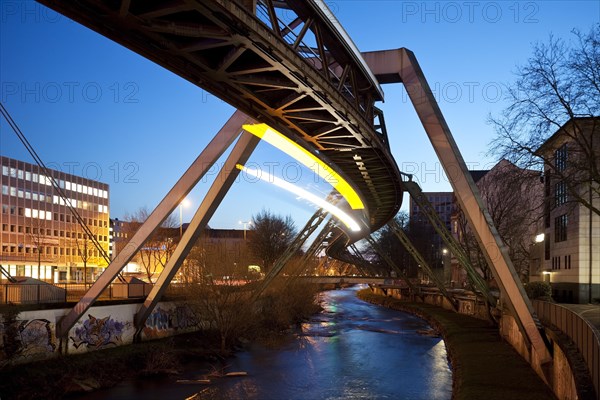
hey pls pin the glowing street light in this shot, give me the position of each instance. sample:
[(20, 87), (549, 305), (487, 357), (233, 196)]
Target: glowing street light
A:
[(246, 224), (184, 203)]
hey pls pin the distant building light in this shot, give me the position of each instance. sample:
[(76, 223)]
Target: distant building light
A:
[(540, 238)]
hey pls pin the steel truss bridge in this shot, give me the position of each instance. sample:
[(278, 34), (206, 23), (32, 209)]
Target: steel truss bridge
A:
[(291, 65)]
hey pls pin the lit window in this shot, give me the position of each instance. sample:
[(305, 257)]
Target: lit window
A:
[(35, 213), (68, 185), (560, 228), (79, 188), (99, 207), (42, 214), (34, 178), (105, 209), (560, 158), (95, 191), (27, 175), (4, 170), (13, 191), (560, 194), (20, 174)]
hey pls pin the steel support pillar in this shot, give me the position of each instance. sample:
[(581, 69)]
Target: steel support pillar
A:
[(184, 185), (454, 246), (363, 266), (394, 66), (314, 222), (223, 182), (388, 260), (418, 257)]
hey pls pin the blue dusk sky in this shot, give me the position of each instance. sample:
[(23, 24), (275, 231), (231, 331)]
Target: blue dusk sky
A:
[(93, 108)]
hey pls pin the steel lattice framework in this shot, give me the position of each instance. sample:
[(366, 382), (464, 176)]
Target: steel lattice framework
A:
[(286, 63)]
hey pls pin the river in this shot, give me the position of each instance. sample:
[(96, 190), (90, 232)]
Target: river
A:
[(351, 350)]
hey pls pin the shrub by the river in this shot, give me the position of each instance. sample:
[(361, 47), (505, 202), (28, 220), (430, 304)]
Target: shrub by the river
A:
[(539, 291)]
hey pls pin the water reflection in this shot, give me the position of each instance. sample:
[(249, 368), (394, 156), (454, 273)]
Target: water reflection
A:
[(352, 350)]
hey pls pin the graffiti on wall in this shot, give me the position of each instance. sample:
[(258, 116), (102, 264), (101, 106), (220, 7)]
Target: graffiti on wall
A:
[(29, 340), (97, 333), (164, 322)]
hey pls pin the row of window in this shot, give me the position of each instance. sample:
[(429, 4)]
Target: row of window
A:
[(47, 215), (44, 180), (48, 232), (36, 196), (48, 250), (556, 262)]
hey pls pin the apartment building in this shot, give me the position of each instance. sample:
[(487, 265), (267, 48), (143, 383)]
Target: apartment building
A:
[(571, 241), (40, 236)]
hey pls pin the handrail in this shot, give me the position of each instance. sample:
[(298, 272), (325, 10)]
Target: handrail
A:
[(585, 336)]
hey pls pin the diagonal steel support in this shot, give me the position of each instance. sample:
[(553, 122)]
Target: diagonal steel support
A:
[(418, 257), (363, 266), (401, 66), (388, 260), (314, 222), (455, 248), (184, 185), (223, 182)]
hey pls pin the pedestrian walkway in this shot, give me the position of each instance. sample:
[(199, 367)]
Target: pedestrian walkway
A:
[(589, 312), (484, 366)]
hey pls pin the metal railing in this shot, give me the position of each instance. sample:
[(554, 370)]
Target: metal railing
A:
[(585, 336), (67, 292)]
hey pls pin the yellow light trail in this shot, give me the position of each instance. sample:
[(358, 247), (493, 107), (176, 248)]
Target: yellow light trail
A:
[(318, 166), (333, 210)]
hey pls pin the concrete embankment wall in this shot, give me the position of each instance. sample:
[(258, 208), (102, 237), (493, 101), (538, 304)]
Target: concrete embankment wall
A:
[(558, 375), (32, 337)]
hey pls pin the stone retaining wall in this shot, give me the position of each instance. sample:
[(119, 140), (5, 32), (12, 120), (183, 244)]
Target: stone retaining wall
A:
[(32, 337)]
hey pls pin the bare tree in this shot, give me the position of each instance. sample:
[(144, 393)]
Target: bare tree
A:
[(390, 244), (271, 235), (159, 247), (514, 200), (87, 251), (560, 83), (225, 308)]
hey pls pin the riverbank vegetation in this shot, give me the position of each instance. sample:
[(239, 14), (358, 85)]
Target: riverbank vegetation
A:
[(483, 365), (231, 318)]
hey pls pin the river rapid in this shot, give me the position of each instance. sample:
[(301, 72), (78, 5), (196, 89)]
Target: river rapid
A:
[(351, 350)]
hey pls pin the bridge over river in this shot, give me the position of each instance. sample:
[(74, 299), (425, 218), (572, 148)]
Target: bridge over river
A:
[(303, 86)]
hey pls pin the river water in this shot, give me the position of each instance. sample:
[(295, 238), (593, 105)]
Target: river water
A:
[(351, 350)]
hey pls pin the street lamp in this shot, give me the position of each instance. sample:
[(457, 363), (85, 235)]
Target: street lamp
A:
[(185, 202), (245, 223)]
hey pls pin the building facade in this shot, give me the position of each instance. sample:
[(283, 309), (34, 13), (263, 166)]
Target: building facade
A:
[(40, 237), (571, 245)]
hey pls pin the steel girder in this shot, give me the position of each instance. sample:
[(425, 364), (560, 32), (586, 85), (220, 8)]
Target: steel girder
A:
[(455, 248), (221, 185), (421, 262), (401, 66), (313, 223), (184, 185), (320, 95)]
